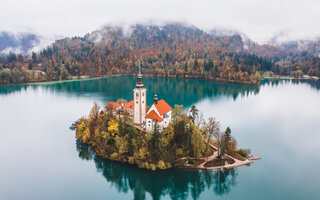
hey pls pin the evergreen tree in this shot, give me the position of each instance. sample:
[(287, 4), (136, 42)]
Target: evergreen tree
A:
[(194, 113), (226, 138), (196, 64), (156, 150), (34, 57)]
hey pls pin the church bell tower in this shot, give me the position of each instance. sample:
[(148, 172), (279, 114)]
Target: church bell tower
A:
[(139, 97)]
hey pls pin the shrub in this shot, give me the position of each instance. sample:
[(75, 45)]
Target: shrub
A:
[(161, 165), (131, 160), (152, 167), (146, 165), (114, 155), (179, 152), (243, 152), (169, 165), (189, 161)]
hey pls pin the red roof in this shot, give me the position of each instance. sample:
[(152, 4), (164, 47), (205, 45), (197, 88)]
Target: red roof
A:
[(154, 116), (129, 105), (162, 107), (113, 104)]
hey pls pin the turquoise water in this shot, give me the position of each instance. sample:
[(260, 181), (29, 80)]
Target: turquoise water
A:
[(41, 159)]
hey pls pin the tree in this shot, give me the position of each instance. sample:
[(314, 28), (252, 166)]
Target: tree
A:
[(219, 138), (180, 135), (213, 128), (109, 110), (121, 128), (216, 71), (156, 150), (121, 144), (29, 66), (132, 133), (228, 133), (194, 112), (255, 78), (64, 74), (199, 120), (75, 70), (94, 113), (121, 101), (196, 63), (12, 57), (197, 141), (177, 112), (169, 136), (297, 74), (226, 138), (34, 57)]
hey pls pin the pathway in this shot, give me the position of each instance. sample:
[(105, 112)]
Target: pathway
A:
[(237, 162)]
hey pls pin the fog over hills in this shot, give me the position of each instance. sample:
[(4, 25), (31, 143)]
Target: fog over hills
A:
[(23, 42), (18, 43), (168, 50), (278, 47)]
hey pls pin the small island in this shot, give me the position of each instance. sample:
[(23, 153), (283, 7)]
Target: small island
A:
[(159, 137)]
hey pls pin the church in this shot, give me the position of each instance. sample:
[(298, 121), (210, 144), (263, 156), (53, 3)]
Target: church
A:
[(159, 112)]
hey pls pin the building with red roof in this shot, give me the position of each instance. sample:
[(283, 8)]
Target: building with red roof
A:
[(154, 116), (160, 113), (129, 107), (114, 105)]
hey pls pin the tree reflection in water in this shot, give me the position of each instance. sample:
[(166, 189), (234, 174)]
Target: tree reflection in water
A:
[(177, 183), (183, 91)]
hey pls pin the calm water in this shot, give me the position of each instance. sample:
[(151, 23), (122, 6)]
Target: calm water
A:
[(41, 159)]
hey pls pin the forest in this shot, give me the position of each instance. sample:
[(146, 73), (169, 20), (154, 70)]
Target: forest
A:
[(172, 50)]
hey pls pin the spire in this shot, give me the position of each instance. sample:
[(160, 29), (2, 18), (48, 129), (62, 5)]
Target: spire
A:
[(139, 79), (155, 99)]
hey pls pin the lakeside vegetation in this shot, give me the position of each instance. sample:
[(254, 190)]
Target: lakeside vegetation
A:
[(112, 135), (173, 51)]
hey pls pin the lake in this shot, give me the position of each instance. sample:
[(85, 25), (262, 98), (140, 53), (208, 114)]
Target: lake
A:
[(41, 159)]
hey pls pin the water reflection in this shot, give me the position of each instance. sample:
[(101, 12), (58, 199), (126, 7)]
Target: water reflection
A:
[(175, 91), (185, 91), (275, 82), (178, 184)]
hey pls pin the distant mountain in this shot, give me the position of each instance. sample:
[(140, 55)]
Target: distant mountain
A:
[(306, 47), (171, 50), (283, 50), (18, 43)]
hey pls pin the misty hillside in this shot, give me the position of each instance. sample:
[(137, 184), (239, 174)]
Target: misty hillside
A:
[(294, 51), (19, 43), (171, 50)]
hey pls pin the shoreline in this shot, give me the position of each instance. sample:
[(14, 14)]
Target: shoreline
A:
[(217, 80), (292, 78), (193, 77), (237, 163), (53, 82)]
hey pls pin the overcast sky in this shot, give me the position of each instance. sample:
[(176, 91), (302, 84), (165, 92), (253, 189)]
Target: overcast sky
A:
[(259, 19)]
